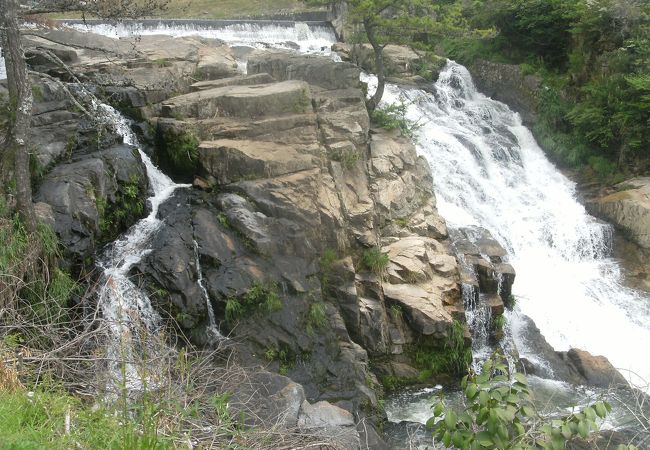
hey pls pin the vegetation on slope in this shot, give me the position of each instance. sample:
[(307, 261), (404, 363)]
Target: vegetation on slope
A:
[(594, 58)]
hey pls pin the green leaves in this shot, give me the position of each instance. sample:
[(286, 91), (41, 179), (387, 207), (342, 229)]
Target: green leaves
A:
[(500, 415), (471, 391)]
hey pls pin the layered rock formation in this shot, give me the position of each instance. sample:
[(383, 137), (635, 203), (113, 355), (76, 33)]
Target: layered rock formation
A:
[(317, 237), (300, 192)]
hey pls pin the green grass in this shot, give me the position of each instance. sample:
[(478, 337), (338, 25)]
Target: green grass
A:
[(451, 357), (260, 298), (316, 317), (375, 260), (37, 420)]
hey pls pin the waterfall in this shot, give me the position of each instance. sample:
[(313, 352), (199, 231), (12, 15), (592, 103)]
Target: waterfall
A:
[(299, 36), (132, 321), (490, 172)]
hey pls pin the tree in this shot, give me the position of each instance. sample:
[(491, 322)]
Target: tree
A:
[(15, 158), (387, 21)]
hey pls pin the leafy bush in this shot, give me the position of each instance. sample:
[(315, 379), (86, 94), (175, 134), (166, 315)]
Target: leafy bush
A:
[(348, 157), (326, 262), (117, 216), (510, 302), (452, 357), (500, 414), (393, 117), (180, 150), (498, 323)]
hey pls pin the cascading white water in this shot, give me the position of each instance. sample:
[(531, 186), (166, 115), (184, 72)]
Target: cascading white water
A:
[(490, 172), (126, 308), (214, 335), (3, 70), (309, 39)]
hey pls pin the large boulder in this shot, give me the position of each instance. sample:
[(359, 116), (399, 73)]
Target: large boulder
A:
[(596, 370), (628, 208), (425, 312)]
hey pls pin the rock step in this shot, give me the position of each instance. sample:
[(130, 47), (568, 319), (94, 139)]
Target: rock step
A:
[(246, 80), (229, 161), (258, 100), (425, 313), (318, 70)]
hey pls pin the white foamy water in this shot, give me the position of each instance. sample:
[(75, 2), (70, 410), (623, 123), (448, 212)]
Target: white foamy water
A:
[(212, 330), (132, 319), (489, 171), (3, 70), (299, 36)]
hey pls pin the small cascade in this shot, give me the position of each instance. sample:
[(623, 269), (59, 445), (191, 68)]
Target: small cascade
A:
[(301, 36), (3, 70), (214, 335), (133, 322), (486, 282)]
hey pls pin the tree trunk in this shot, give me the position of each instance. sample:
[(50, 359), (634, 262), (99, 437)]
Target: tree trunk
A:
[(379, 65), (15, 157)]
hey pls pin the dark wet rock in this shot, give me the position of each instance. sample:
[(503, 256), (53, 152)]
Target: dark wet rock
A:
[(171, 264), (80, 192), (546, 362), (575, 366)]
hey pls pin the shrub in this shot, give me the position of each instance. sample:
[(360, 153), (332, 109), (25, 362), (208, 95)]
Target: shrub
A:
[(117, 216), (393, 117), (510, 302), (234, 310), (326, 262), (500, 414), (180, 150), (452, 357), (348, 157), (498, 322)]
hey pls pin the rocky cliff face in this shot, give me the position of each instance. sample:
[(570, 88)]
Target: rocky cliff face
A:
[(508, 84), (316, 236), (302, 198)]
